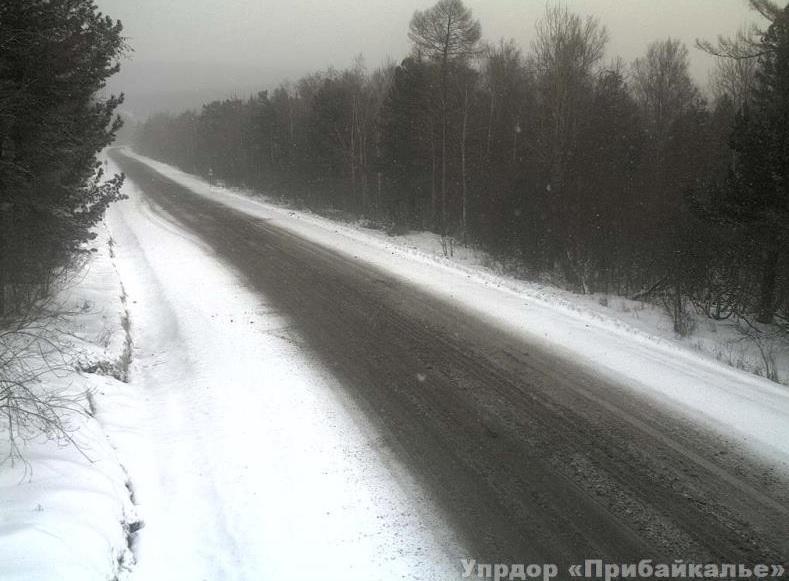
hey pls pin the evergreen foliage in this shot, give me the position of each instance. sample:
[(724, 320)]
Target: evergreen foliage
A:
[(55, 57)]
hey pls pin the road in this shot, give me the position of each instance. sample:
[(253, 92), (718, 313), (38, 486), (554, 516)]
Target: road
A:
[(531, 458)]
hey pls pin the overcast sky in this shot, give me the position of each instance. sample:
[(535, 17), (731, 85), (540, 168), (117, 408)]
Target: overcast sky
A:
[(205, 46)]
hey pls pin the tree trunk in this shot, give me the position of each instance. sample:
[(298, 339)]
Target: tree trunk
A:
[(352, 157), (444, 106), (463, 185), (379, 183), (768, 285), (444, 170), (6, 223), (491, 112), (363, 178), (433, 192)]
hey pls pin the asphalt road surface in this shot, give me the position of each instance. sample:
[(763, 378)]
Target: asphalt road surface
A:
[(532, 458)]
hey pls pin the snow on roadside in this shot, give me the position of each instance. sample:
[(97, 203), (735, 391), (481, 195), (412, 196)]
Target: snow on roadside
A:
[(65, 510), (248, 461), (624, 341)]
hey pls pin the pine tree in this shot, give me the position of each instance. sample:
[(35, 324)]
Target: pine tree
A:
[(757, 194), (406, 135), (55, 57)]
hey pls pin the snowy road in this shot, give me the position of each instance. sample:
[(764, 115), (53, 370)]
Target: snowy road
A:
[(247, 461), (527, 456)]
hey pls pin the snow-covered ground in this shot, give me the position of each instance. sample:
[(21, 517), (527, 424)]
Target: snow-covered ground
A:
[(625, 340), (65, 511)]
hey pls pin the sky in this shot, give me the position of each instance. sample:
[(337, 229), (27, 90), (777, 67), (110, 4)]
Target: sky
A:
[(189, 51)]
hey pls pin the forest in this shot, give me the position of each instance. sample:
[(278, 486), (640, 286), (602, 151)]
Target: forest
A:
[(588, 172)]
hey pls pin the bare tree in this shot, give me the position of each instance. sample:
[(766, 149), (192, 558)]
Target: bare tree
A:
[(662, 84), (666, 97), (446, 34), (566, 51), (733, 79), (380, 82), (35, 347), (664, 92), (467, 81), (503, 79)]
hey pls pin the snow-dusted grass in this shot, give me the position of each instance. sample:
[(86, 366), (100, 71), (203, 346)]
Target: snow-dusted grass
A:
[(65, 509), (628, 341)]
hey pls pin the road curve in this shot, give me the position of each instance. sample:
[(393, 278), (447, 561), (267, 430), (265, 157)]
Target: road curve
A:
[(532, 458)]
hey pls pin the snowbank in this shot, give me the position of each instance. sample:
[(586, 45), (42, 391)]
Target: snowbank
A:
[(65, 510)]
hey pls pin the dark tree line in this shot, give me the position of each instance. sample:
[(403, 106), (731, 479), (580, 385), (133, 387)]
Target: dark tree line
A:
[(602, 176), (55, 56)]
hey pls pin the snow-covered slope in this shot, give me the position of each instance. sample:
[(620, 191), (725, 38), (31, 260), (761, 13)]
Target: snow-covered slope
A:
[(65, 510)]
